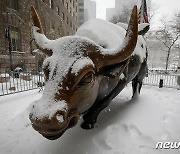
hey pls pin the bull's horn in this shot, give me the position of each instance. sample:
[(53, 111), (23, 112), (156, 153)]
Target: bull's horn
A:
[(37, 23), (124, 52)]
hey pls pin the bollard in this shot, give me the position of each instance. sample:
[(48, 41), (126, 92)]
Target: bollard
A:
[(161, 83)]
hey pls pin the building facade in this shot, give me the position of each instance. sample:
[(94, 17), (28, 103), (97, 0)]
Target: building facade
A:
[(110, 12), (86, 11), (58, 17), (89, 10), (81, 18), (120, 5)]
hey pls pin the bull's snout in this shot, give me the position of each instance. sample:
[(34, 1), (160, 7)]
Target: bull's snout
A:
[(54, 127)]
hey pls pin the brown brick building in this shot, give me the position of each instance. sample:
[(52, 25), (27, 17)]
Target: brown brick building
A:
[(58, 17)]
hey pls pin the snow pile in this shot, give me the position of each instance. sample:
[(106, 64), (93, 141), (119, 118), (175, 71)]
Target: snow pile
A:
[(126, 126)]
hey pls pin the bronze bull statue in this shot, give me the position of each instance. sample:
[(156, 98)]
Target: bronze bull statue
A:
[(83, 76)]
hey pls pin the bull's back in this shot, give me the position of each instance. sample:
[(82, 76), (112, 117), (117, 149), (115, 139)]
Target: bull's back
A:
[(109, 35), (104, 33)]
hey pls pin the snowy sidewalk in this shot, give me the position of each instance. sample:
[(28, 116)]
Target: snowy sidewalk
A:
[(125, 127)]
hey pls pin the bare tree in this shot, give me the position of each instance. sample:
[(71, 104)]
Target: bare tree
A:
[(168, 35), (153, 11), (122, 16)]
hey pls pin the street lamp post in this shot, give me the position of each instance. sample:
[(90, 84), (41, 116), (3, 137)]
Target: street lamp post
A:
[(8, 36)]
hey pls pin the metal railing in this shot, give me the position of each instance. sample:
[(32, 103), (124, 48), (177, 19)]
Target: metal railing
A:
[(13, 82), (162, 80)]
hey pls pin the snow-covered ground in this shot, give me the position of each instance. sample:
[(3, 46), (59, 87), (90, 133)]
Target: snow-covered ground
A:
[(125, 127)]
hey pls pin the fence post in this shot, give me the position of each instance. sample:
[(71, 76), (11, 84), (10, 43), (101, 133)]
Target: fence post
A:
[(161, 83), (178, 78)]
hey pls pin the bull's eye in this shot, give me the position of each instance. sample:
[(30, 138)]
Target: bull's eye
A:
[(87, 79)]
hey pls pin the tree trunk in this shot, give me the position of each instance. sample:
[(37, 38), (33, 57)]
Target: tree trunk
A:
[(167, 59)]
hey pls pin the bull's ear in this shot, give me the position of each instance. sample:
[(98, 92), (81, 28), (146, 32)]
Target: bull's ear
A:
[(37, 23), (143, 28)]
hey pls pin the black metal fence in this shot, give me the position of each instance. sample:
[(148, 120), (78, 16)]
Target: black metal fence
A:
[(18, 81)]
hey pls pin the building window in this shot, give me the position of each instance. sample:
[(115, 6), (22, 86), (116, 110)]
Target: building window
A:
[(63, 16), (73, 3), (81, 17), (51, 25), (71, 23), (15, 38), (80, 23), (70, 10), (12, 4), (57, 10), (67, 20), (67, 5), (81, 4), (51, 4), (63, 1), (81, 10)]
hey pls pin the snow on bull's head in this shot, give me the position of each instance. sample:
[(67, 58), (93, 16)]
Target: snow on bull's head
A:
[(72, 80)]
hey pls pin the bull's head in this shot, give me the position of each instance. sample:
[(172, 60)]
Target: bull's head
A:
[(72, 76)]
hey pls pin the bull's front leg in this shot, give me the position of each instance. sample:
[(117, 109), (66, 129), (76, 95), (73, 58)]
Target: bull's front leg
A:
[(90, 117)]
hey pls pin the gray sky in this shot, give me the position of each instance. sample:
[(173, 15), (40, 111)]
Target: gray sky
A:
[(101, 6), (166, 8)]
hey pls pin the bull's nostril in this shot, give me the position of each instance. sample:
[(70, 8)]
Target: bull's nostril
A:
[(60, 118)]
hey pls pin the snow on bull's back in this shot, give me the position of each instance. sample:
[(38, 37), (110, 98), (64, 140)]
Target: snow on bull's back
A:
[(109, 35), (104, 33)]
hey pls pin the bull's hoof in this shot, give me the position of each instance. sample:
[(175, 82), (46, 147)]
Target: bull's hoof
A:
[(85, 125)]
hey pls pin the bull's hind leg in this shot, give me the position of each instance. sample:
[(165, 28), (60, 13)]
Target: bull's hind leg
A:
[(137, 81), (90, 117), (136, 86)]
